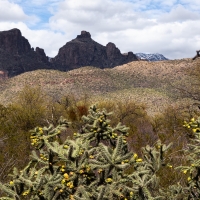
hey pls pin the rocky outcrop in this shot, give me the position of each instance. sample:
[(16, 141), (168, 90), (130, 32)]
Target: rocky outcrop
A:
[(84, 51), (13, 42), (17, 56)]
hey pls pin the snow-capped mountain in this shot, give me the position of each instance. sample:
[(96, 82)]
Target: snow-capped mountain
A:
[(151, 57)]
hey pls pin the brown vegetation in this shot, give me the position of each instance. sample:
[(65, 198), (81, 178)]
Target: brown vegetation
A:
[(146, 97)]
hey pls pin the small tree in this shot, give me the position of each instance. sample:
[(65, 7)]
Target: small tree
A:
[(95, 165)]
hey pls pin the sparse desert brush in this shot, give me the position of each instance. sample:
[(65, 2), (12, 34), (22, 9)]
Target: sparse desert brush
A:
[(126, 81)]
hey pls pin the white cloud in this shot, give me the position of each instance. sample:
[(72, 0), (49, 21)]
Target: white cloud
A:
[(104, 15), (11, 11), (179, 13), (174, 40), (50, 41), (151, 26)]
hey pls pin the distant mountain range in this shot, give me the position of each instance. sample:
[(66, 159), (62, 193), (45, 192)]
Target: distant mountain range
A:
[(17, 56), (151, 57)]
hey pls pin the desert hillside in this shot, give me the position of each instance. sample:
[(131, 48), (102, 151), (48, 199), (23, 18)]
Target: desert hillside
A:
[(156, 84)]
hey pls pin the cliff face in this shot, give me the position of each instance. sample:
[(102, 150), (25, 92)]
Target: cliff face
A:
[(13, 42), (84, 51), (17, 56)]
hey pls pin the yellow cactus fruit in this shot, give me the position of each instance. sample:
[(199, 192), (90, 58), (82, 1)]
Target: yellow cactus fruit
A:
[(11, 183), (109, 180), (65, 146), (139, 160), (71, 185), (135, 155), (63, 181), (25, 193), (185, 171), (192, 120), (66, 176)]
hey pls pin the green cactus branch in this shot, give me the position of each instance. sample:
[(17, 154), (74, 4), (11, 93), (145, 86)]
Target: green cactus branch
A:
[(92, 165)]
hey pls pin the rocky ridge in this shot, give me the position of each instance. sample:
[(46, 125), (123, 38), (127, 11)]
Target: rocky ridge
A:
[(17, 56), (84, 51)]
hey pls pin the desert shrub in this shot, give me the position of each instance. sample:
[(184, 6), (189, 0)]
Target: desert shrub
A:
[(134, 116), (29, 108), (70, 108), (168, 126), (92, 165)]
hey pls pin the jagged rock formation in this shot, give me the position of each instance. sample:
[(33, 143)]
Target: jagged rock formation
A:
[(17, 56), (84, 51)]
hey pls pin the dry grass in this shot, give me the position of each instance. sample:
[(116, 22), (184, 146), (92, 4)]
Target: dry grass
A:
[(152, 83)]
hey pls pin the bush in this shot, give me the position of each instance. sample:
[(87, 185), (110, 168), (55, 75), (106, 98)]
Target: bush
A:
[(93, 165), (98, 165)]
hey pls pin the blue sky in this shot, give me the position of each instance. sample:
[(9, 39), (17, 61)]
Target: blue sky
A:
[(150, 26)]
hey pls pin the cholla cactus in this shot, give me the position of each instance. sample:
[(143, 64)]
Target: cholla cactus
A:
[(191, 191), (192, 171), (91, 166)]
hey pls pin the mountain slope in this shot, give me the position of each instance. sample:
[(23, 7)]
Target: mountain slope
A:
[(155, 84)]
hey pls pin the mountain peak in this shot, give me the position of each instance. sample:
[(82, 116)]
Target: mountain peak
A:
[(84, 34), (151, 57)]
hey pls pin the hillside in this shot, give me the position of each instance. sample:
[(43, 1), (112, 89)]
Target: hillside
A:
[(156, 84)]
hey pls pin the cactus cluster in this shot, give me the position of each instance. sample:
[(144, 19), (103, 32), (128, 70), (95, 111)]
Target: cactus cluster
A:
[(95, 164)]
